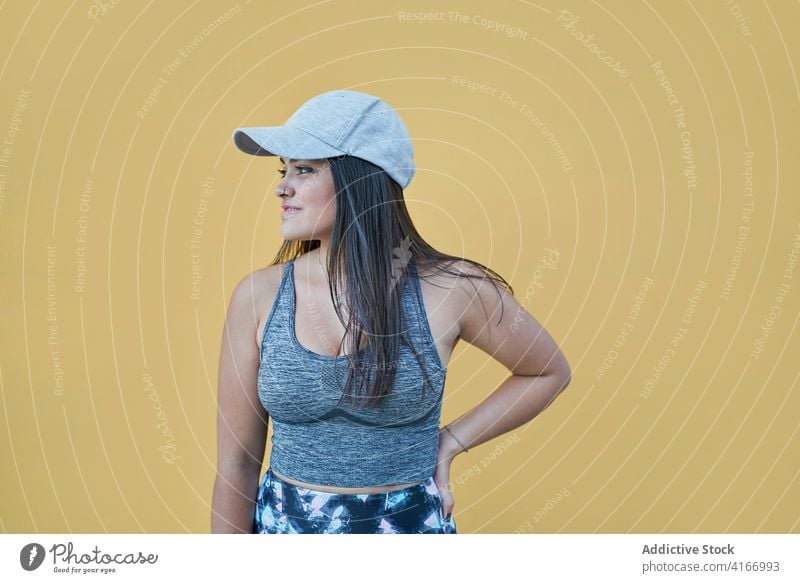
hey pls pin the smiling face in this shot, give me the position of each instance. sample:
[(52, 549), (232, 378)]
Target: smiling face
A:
[(308, 186)]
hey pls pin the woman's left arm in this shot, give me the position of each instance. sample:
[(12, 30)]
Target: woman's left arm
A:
[(494, 321)]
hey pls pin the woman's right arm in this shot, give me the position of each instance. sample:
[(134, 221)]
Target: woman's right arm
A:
[(241, 419)]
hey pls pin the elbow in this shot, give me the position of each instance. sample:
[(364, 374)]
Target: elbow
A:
[(560, 380), (566, 379), (562, 371), (564, 374)]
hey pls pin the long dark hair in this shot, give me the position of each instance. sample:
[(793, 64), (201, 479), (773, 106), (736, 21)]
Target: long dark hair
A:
[(372, 240)]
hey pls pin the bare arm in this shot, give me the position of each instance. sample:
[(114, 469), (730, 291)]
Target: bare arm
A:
[(241, 419), (539, 369)]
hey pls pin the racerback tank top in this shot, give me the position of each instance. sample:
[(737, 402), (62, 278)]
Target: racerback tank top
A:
[(318, 442)]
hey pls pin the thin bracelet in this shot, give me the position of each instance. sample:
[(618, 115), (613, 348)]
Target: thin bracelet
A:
[(454, 437)]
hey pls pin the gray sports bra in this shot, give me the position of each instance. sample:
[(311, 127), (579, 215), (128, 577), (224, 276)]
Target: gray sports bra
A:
[(318, 442)]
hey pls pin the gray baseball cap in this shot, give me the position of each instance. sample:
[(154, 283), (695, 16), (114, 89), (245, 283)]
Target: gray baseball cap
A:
[(335, 123)]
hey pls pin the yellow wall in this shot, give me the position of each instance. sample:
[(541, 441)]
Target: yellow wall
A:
[(638, 187)]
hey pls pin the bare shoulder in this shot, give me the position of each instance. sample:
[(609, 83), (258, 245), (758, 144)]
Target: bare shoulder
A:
[(463, 279), (453, 287), (441, 282), (255, 294), (267, 278), (467, 296), (447, 272)]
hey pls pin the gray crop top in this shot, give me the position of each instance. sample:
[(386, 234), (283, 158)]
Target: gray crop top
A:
[(317, 442)]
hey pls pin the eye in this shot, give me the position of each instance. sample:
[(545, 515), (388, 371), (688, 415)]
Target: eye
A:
[(282, 171)]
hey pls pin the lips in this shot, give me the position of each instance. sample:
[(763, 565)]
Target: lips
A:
[(289, 211)]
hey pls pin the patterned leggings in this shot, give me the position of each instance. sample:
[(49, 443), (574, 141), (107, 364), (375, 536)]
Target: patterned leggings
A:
[(284, 508)]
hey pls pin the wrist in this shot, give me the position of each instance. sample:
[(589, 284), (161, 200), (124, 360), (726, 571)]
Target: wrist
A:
[(449, 445)]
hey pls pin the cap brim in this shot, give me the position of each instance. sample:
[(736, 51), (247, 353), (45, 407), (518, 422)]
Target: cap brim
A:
[(283, 141)]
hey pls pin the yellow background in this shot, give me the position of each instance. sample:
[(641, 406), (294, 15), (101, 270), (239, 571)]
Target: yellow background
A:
[(116, 122)]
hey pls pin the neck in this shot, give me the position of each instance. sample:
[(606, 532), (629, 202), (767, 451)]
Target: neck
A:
[(323, 250), (318, 259), (315, 264)]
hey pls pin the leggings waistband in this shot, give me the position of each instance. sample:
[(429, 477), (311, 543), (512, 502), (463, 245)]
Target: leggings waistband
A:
[(428, 485)]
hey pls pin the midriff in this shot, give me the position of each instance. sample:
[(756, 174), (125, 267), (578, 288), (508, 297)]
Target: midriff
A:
[(323, 488)]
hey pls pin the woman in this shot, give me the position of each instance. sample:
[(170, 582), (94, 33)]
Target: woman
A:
[(343, 341)]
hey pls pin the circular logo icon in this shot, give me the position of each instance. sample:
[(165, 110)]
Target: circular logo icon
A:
[(31, 556)]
